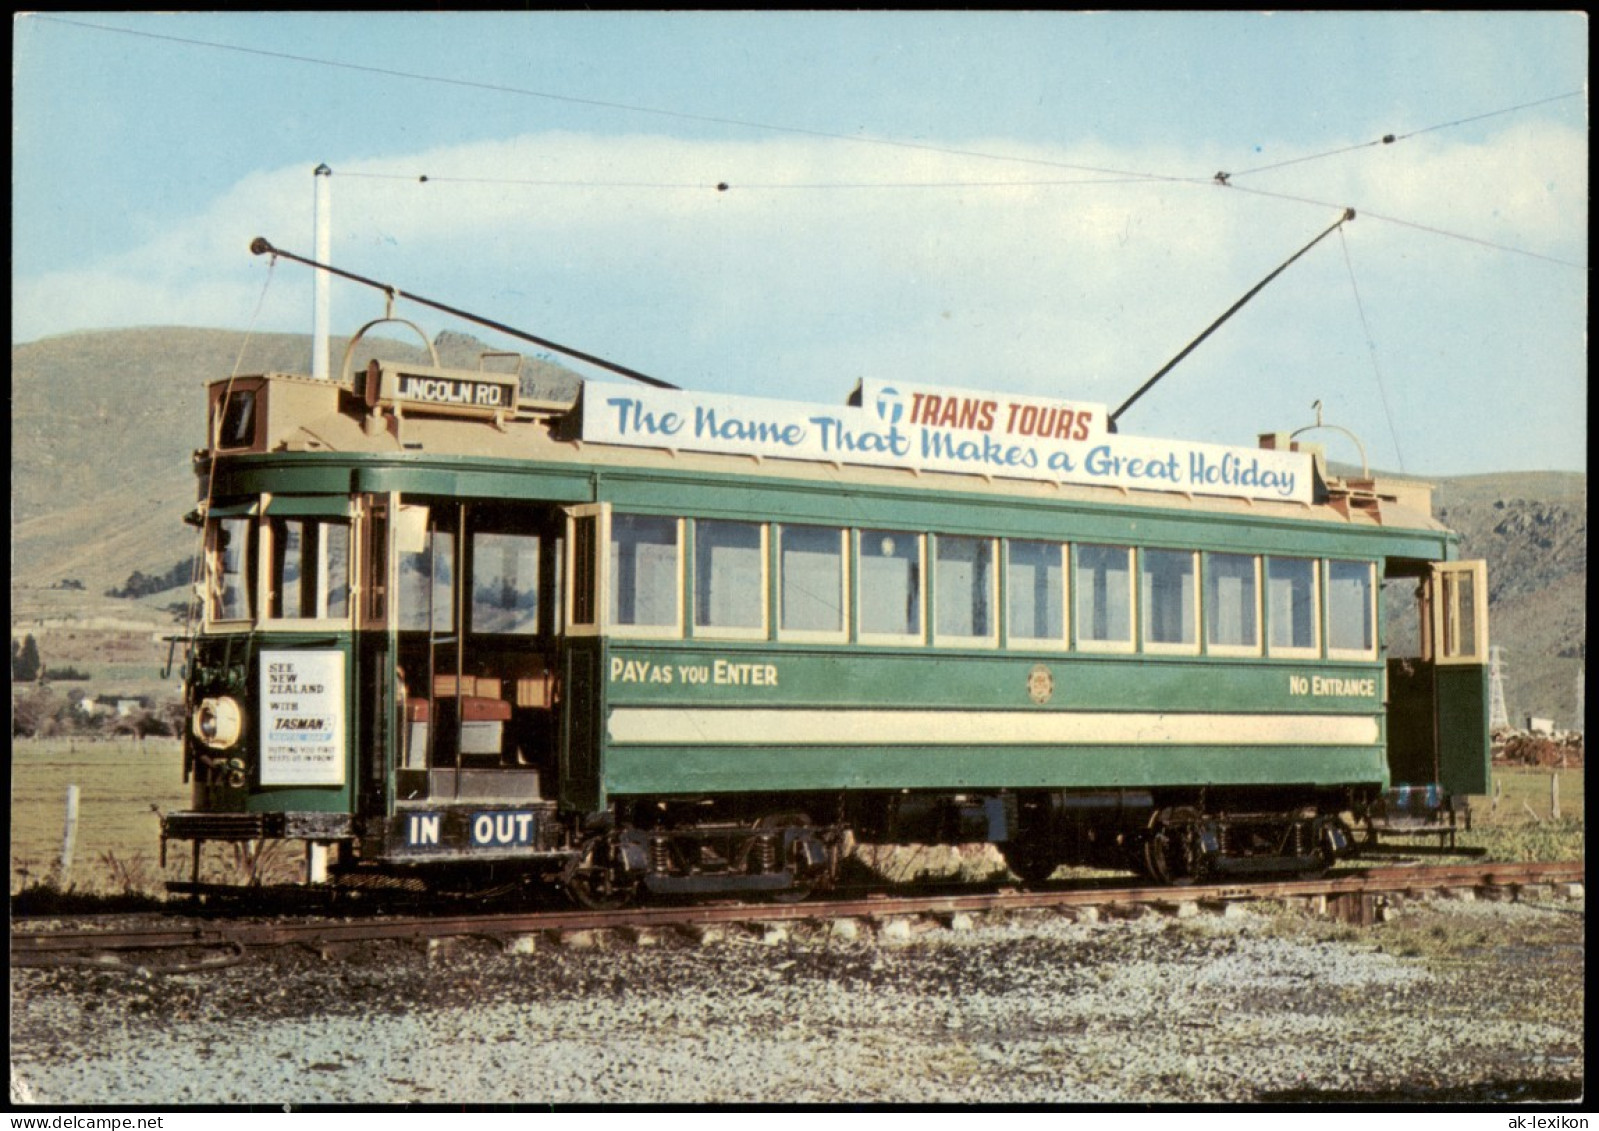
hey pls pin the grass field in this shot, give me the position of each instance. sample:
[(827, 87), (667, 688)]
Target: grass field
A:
[(1520, 825), (118, 781), (118, 843)]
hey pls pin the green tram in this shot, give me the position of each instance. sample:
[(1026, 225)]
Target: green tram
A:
[(648, 641)]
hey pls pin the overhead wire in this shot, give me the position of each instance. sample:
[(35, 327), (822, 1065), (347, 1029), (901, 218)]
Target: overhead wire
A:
[(1369, 215), (1118, 175), (725, 186), (708, 119), (745, 123), (1391, 139)]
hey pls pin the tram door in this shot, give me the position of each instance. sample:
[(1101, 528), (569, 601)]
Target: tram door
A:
[(1438, 700), (477, 620)]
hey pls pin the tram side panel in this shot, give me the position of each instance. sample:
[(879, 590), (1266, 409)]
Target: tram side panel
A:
[(582, 748), (1463, 733), (715, 719)]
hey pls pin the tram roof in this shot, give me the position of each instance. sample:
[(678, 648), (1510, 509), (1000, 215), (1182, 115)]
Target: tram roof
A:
[(306, 415)]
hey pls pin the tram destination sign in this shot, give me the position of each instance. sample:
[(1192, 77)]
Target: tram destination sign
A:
[(938, 429), (443, 391)]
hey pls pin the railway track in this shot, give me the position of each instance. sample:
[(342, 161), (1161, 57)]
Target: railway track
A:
[(1350, 896)]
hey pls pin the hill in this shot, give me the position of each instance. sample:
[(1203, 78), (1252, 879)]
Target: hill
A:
[(1532, 529), (103, 425)]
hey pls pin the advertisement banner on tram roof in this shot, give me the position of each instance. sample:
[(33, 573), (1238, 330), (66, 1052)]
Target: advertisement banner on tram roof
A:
[(943, 430)]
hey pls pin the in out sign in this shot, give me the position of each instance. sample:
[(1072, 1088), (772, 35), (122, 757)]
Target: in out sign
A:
[(502, 829), (422, 830)]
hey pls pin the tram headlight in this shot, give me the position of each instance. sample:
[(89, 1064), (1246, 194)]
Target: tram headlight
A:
[(218, 722)]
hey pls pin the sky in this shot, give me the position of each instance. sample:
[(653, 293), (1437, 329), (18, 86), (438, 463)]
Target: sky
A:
[(1034, 203)]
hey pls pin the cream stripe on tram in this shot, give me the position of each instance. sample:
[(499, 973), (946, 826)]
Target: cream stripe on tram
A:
[(675, 726)]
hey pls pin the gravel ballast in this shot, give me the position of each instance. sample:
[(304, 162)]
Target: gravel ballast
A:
[(1447, 1001)]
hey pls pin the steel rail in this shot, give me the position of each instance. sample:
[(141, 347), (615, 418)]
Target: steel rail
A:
[(38, 947)]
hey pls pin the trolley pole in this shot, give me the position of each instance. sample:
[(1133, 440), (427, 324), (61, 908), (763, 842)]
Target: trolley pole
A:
[(1349, 214)]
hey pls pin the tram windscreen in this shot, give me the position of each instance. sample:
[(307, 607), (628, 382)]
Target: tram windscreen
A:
[(237, 428)]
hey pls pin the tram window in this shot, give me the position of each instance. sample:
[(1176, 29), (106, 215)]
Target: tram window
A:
[(963, 588), (1351, 609), (891, 585), (1232, 603), (1463, 638), (427, 584), (1102, 578), (505, 583), (645, 575), (375, 539), (1035, 590), (1291, 605), (287, 594), (1461, 642), (237, 427), (1170, 600), (336, 564), (730, 576), (310, 574), (585, 540), (233, 584), (810, 562), (1404, 617)]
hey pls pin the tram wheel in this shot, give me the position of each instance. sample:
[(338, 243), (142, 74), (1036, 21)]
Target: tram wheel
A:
[(1032, 862), (597, 883), (1170, 853), (1326, 830), (796, 892)]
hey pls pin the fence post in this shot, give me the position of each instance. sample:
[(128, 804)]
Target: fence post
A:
[(1554, 797), (69, 835)]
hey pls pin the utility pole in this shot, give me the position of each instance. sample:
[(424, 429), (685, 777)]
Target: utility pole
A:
[(323, 283)]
